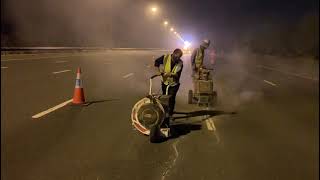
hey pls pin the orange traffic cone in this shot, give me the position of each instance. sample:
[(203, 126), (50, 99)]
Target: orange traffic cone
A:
[(78, 96)]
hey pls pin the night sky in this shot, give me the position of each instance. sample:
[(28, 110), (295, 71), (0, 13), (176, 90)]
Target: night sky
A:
[(229, 15), (89, 20)]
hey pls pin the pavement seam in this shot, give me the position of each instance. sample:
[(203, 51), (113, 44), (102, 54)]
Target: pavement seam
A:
[(167, 170)]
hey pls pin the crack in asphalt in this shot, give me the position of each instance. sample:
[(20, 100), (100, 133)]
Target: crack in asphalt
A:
[(172, 164)]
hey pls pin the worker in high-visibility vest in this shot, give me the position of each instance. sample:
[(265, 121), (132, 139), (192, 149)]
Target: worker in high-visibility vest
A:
[(198, 56), (170, 67)]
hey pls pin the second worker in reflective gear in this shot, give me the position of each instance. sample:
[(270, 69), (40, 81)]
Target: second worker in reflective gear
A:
[(198, 56), (170, 67)]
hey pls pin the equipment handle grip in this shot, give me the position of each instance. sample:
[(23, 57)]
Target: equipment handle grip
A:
[(150, 84), (156, 75)]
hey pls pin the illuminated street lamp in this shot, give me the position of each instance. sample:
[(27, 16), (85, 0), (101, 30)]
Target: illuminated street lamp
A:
[(186, 45), (165, 23), (154, 9), (171, 29), (175, 32)]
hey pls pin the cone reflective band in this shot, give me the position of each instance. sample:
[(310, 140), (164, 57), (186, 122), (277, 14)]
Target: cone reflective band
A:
[(78, 96)]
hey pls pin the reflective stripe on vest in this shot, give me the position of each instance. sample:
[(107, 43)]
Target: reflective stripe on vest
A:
[(199, 58), (167, 69)]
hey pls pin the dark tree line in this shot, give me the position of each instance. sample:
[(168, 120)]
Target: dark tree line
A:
[(299, 38)]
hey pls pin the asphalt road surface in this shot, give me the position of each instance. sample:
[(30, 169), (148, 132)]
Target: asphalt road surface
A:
[(273, 135)]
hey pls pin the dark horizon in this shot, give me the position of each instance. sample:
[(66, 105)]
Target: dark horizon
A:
[(125, 24)]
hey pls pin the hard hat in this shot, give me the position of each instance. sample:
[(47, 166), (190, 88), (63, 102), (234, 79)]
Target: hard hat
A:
[(205, 43)]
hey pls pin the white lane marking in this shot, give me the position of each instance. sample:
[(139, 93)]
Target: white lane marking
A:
[(271, 83), (212, 124), (34, 58), (61, 61), (288, 73), (212, 127), (60, 71), (2, 67), (51, 109), (209, 125), (128, 75)]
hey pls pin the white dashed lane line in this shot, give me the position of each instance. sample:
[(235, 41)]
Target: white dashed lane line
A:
[(209, 126), (60, 71), (212, 127), (128, 75), (51, 109), (60, 62), (288, 73), (2, 67), (271, 83)]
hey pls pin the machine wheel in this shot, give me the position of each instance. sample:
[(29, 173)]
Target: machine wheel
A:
[(190, 97), (155, 133), (214, 98)]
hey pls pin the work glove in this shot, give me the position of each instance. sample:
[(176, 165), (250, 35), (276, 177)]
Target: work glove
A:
[(167, 74)]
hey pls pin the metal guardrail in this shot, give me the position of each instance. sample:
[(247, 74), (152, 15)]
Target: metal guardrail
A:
[(73, 48), (30, 50)]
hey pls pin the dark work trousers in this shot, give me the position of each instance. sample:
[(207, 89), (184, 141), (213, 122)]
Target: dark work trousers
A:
[(194, 71), (173, 92)]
